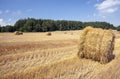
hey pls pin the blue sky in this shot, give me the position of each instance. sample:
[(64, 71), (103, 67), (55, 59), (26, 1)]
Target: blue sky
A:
[(80, 10)]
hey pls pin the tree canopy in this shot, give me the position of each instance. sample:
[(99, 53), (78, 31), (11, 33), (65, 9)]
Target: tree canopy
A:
[(44, 25)]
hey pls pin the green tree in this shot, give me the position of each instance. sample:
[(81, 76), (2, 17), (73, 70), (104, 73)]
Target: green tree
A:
[(3, 29), (19, 24), (44, 25), (29, 25), (38, 28), (9, 28), (0, 28), (118, 28)]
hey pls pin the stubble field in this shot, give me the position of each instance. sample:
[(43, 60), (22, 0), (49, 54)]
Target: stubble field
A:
[(39, 56)]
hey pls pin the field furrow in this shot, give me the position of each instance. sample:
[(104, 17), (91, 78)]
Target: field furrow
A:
[(37, 56)]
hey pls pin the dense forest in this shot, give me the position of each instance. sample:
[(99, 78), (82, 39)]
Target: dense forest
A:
[(44, 25)]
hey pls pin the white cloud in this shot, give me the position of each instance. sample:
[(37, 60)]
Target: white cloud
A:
[(28, 10), (94, 14), (1, 12), (88, 16), (9, 19), (1, 20), (88, 2), (97, 0), (7, 11), (3, 23), (103, 16), (108, 6), (111, 10), (18, 12)]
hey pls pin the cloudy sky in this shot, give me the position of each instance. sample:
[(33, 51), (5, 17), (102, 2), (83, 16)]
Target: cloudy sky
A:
[(80, 10)]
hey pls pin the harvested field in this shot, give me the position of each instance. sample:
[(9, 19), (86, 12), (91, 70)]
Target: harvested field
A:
[(38, 56)]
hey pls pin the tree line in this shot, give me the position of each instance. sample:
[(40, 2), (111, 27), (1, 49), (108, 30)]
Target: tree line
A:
[(44, 25)]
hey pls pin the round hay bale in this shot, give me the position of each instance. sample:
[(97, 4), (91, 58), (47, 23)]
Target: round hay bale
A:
[(96, 44), (18, 33), (49, 34)]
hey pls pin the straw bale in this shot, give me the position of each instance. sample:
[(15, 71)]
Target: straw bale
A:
[(18, 33), (96, 44), (49, 34)]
